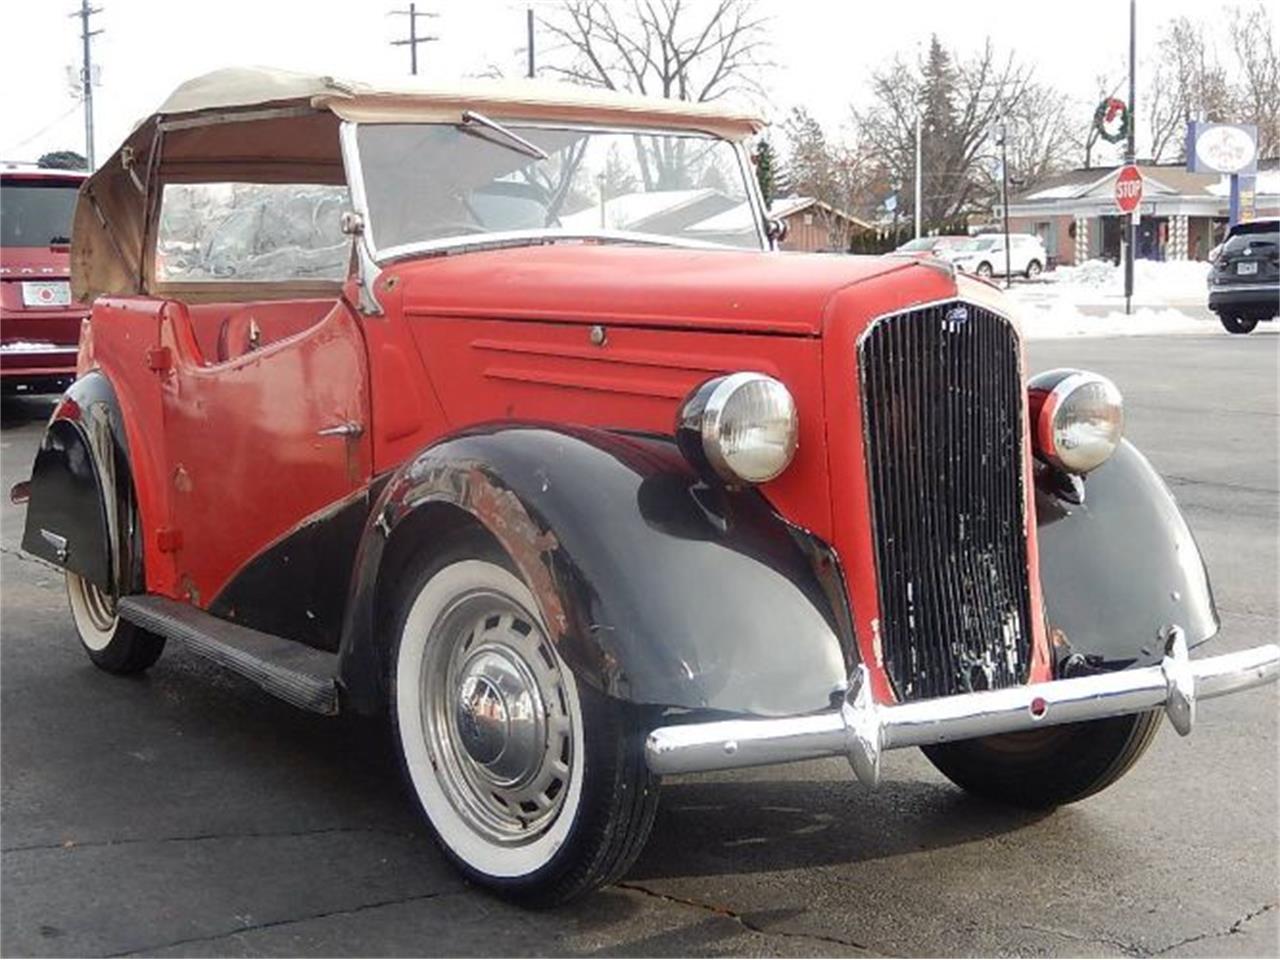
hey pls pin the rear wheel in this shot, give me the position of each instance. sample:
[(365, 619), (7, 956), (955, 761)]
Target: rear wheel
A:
[(534, 785), (1033, 269), (113, 644), (1046, 768), (1237, 324)]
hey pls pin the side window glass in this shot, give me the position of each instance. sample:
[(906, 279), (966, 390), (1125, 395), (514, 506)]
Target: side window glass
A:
[(210, 232)]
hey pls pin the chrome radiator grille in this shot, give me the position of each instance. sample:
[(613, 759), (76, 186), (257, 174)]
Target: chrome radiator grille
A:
[(942, 403)]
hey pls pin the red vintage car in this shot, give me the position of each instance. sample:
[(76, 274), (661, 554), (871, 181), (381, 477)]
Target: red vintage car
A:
[(496, 413), (39, 322)]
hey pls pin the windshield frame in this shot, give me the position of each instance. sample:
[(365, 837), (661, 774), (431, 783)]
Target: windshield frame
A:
[(544, 235)]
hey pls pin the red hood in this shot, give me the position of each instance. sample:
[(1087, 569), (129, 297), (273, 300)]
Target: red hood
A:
[(747, 291)]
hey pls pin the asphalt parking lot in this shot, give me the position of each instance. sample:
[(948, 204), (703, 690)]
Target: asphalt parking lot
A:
[(187, 813)]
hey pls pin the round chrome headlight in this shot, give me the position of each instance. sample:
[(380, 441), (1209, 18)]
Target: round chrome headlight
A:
[(1080, 421), (744, 426)]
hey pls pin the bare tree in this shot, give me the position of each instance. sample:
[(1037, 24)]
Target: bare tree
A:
[(833, 173), (1258, 90), (1188, 83), (959, 104), (697, 50)]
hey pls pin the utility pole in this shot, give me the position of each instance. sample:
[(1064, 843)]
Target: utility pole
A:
[(528, 20), (413, 39), (919, 179), (1130, 154), (1003, 134), (86, 75)]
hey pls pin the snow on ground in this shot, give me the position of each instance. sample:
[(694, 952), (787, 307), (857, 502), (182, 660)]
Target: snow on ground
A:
[(1052, 321), (1170, 297), (1154, 282)]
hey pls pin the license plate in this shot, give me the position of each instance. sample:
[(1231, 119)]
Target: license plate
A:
[(1246, 268), (53, 293)]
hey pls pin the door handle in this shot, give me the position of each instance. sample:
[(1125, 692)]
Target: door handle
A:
[(348, 429)]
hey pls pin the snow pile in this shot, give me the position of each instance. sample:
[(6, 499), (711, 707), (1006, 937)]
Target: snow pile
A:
[(1155, 282), (1061, 319)]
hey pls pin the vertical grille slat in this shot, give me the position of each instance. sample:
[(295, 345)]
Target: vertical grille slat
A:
[(942, 405)]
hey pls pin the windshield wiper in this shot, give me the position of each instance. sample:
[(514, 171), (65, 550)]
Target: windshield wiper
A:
[(515, 141)]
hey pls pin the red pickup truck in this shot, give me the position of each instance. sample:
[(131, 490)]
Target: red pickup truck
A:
[(39, 322)]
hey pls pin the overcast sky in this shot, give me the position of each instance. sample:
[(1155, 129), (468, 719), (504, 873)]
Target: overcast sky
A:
[(825, 50)]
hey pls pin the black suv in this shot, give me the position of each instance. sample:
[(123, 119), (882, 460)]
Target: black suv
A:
[(1244, 283)]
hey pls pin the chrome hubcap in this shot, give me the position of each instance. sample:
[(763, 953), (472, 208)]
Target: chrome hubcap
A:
[(500, 716), (496, 718)]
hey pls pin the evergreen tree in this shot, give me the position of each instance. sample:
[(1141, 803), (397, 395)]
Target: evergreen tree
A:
[(939, 148), (767, 171), (62, 160)]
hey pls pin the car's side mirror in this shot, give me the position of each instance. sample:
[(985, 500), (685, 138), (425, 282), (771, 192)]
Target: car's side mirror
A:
[(776, 229)]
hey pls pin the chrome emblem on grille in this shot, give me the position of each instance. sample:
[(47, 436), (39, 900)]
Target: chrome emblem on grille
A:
[(956, 318)]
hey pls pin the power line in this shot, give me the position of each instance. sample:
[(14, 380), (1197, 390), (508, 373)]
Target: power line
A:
[(43, 130), (86, 75), (413, 39)]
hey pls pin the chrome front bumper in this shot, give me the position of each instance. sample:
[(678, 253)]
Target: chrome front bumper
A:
[(862, 730)]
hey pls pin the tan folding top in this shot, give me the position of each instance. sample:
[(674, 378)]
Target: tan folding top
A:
[(261, 124)]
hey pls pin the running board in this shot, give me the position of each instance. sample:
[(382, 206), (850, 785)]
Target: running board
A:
[(292, 671)]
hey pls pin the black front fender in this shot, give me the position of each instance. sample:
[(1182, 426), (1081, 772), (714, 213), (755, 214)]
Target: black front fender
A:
[(657, 586), (1119, 568)]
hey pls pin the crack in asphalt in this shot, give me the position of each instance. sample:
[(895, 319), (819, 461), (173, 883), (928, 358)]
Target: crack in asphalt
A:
[(1214, 934), (1130, 949), (19, 554), (269, 924), (1174, 480), (1134, 950), (69, 845), (742, 921)]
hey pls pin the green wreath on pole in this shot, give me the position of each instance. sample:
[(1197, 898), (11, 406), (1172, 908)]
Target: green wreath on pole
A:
[(1104, 120)]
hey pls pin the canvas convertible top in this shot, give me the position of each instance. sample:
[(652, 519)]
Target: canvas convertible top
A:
[(263, 125)]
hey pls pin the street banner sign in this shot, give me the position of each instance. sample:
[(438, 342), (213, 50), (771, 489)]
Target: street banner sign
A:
[(1128, 189)]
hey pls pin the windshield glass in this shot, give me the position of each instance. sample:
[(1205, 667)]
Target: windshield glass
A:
[(36, 214), (438, 182), (922, 243)]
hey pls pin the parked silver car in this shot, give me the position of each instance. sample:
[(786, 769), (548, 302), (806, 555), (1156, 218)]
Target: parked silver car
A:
[(985, 255)]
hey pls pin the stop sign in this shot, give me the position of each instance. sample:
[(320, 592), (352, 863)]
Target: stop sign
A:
[(1129, 189)]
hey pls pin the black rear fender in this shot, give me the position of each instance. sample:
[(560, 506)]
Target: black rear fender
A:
[(79, 515)]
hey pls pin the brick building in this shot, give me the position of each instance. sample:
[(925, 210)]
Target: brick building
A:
[(1183, 214)]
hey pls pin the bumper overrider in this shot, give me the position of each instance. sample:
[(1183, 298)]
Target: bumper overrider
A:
[(862, 730)]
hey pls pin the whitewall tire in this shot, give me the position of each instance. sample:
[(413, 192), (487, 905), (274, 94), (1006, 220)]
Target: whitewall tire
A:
[(533, 784), (114, 645)]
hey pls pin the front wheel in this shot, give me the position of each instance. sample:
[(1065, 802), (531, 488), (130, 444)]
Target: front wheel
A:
[(984, 270), (1046, 768), (1237, 324), (114, 645), (534, 786)]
